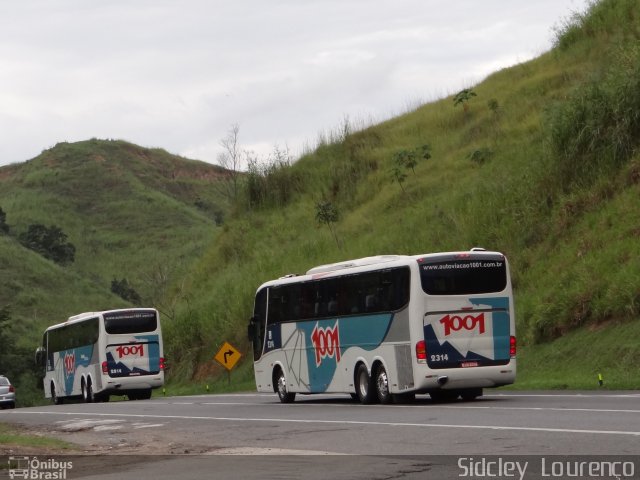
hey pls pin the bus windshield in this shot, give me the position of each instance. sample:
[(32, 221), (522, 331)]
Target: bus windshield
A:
[(463, 276)]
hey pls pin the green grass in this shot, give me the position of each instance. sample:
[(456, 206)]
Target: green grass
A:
[(209, 378), (575, 360), (11, 436)]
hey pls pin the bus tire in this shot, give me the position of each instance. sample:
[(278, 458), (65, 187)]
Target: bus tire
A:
[(365, 388), (382, 386), (54, 396), (444, 396), (470, 394), (404, 398), (280, 384), (87, 391), (101, 397)]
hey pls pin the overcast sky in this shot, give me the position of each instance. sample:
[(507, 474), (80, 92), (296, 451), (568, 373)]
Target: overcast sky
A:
[(177, 74)]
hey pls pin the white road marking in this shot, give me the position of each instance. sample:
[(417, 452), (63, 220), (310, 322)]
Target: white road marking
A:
[(422, 406), (349, 422), (101, 425), (105, 428), (269, 451), (83, 424), (138, 426), (571, 395)]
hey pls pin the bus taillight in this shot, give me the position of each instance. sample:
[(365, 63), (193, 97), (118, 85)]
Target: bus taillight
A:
[(161, 363), (421, 352), (512, 346), (105, 370)]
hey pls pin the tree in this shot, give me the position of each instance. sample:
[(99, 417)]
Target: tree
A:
[(407, 159), (232, 159), (125, 291), (4, 228), (424, 152), (327, 213), (481, 155), (7, 342), (16, 361), (494, 106), (50, 242), (463, 97), (399, 176)]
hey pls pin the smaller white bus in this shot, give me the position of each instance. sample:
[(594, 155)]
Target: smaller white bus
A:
[(97, 354)]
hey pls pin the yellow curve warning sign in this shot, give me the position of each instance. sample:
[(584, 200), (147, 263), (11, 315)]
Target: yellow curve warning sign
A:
[(227, 356)]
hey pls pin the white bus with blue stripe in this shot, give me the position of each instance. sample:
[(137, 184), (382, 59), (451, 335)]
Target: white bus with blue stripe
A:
[(388, 327), (94, 355)]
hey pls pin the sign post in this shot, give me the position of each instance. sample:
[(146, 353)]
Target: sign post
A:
[(228, 356)]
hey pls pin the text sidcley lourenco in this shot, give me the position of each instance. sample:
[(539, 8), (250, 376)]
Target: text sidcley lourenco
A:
[(497, 467)]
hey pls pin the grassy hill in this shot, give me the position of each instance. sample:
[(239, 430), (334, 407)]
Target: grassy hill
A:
[(134, 213), (541, 164)]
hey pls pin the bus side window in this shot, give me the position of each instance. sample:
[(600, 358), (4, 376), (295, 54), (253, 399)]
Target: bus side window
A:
[(332, 307), (371, 302)]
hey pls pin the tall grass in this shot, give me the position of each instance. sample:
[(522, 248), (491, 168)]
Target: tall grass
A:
[(598, 126)]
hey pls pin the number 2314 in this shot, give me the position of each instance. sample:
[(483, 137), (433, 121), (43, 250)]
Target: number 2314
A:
[(439, 357)]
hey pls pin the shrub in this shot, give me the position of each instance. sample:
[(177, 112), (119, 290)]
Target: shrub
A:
[(50, 242), (4, 228), (125, 291)]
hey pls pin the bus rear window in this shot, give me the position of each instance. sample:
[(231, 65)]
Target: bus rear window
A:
[(468, 276), (130, 322)]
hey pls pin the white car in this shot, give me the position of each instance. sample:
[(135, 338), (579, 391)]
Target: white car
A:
[(7, 393)]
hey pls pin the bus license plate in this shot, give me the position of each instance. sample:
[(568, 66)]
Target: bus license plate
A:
[(469, 364)]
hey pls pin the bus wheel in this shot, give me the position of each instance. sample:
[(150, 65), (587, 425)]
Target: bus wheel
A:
[(382, 386), (404, 398), (470, 394), (281, 387), (101, 398), (87, 391), (443, 396), (54, 396), (364, 386)]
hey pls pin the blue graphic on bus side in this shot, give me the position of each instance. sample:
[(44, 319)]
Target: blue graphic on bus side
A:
[(71, 360), (327, 340), (274, 337)]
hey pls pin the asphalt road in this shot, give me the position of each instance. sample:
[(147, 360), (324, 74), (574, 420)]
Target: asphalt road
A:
[(254, 436)]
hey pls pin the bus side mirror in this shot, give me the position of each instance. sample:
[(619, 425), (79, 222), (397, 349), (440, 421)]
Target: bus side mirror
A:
[(41, 357)]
